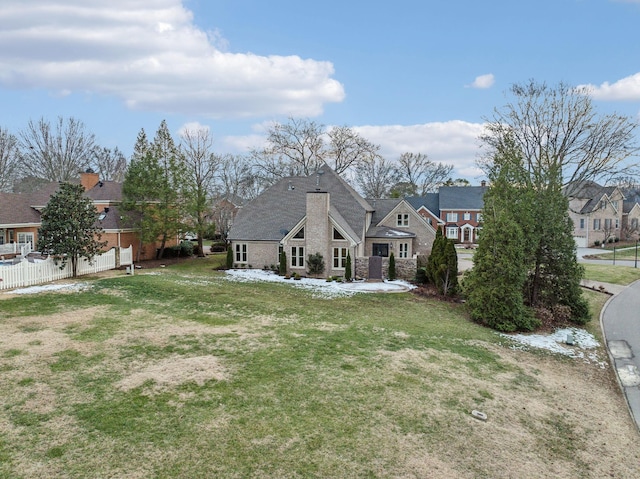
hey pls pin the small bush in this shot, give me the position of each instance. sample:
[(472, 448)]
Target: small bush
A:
[(596, 243), (421, 275), (186, 249), (316, 264), (392, 267)]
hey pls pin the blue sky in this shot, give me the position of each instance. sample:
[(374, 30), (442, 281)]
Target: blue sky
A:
[(411, 75)]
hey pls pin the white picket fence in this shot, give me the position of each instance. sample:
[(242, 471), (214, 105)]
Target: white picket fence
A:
[(27, 273)]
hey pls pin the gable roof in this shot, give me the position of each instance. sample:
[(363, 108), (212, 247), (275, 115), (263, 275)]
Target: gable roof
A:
[(462, 197), (15, 211), (273, 214), (431, 201)]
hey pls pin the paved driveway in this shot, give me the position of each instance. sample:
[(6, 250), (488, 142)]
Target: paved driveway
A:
[(620, 320)]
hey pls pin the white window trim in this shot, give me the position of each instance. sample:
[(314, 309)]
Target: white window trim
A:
[(241, 253), (451, 229), (452, 217), (337, 255), (298, 256), (402, 220)]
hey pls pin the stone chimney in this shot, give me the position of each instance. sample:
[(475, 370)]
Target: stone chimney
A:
[(317, 225), (89, 179)]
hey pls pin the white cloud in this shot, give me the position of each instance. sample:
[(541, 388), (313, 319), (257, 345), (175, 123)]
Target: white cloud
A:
[(151, 56), (193, 126), (452, 142), (483, 81), (626, 89)]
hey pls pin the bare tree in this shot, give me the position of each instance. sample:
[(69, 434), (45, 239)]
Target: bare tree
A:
[(347, 149), (201, 164), (293, 148), (560, 133), (375, 176), (111, 165), (57, 152), (9, 159), (237, 177), (301, 146), (420, 172)]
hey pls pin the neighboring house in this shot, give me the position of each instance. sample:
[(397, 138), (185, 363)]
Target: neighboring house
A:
[(20, 215), (596, 211), (223, 213), (429, 207), (631, 215), (322, 214), (456, 209)]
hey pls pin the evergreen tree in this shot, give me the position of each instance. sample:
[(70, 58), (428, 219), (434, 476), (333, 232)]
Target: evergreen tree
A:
[(229, 257), (447, 271), (435, 258), (495, 285), (283, 263), (347, 268), (392, 267), (171, 195), (140, 192), (69, 230)]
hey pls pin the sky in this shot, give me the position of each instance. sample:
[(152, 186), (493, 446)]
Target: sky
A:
[(417, 76)]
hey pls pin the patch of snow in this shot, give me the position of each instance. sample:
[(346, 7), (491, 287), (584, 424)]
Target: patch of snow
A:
[(556, 343), (73, 287), (320, 287)]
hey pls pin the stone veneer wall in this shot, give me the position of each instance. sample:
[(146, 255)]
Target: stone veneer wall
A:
[(405, 268)]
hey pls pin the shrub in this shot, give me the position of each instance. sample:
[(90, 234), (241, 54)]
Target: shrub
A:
[(186, 248), (392, 267), (347, 268), (316, 264), (229, 258), (421, 275), (283, 264), (596, 243)]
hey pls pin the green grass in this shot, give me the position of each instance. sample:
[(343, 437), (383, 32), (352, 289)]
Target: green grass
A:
[(374, 385), (611, 274)]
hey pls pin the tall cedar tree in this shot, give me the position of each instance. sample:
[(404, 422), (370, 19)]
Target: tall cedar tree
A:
[(140, 193), (171, 195), (495, 286), (69, 230), (562, 142), (153, 189)]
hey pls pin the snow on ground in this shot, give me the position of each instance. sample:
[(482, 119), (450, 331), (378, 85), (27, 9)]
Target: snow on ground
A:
[(320, 287), (583, 348), (71, 287)]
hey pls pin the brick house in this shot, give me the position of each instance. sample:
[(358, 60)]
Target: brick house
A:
[(20, 215), (321, 213), (596, 211)]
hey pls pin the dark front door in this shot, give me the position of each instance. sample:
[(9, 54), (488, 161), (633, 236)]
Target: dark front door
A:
[(375, 267)]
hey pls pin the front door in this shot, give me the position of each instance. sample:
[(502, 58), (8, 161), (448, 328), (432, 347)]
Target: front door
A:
[(375, 268)]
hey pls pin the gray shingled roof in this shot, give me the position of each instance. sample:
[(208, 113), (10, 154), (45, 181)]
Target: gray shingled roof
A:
[(382, 208), (462, 197), (430, 201), (14, 210), (273, 214)]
